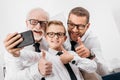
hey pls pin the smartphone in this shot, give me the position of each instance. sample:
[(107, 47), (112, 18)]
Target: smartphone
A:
[(28, 39)]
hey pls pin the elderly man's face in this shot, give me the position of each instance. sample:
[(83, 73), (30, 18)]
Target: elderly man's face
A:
[(37, 23)]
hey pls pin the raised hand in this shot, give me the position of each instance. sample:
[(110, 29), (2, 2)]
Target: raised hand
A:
[(44, 66), (11, 41), (81, 50), (66, 57)]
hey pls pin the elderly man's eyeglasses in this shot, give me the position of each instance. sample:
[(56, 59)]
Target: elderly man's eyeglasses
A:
[(59, 34), (79, 26), (35, 22)]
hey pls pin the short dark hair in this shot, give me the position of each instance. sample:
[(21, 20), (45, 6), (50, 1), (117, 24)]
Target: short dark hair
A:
[(80, 11)]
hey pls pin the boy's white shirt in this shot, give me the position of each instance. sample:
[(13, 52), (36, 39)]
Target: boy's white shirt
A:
[(26, 66)]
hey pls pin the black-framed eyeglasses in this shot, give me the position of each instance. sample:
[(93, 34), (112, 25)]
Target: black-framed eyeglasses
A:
[(79, 26), (35, 22), (52, 34)]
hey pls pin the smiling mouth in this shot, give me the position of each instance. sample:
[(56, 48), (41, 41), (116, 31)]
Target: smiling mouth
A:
[(38, 32), (55, 42), (74, 33)]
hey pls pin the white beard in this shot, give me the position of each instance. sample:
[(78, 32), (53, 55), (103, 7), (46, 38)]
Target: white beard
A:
[(39, 37)]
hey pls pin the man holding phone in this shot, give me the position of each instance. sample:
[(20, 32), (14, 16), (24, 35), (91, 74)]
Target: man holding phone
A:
[(36, 21)]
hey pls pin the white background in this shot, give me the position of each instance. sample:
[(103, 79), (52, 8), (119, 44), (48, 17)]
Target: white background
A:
[(105, 20)]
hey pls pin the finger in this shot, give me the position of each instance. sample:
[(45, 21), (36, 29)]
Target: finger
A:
[(14, 50), (49, 69), (79, 47), (9, 36), (63, 49), (81, 54), (80, 51), (84, 55), (12, 40), (14, 44), (17, 54), (79, 41), (48, 64), (48, 72)]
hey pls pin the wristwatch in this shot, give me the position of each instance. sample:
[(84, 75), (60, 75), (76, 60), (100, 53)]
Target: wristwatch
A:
[(92, 55)]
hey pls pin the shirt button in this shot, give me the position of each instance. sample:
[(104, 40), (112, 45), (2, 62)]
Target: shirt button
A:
[(73, 62)]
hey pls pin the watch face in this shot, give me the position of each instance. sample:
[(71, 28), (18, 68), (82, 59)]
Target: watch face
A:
[(92, 53)]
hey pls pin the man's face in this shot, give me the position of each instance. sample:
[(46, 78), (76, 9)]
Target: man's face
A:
[(55, 36), (37, 23), (77, 26)]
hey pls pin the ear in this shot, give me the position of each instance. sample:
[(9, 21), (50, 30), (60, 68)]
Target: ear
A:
[(65, 38), (26, 23), (88, 25)]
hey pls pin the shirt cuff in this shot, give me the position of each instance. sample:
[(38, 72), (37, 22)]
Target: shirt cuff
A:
[(75, 60)]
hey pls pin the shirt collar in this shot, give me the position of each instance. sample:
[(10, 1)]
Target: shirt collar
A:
[(86, 34), (52, 51)]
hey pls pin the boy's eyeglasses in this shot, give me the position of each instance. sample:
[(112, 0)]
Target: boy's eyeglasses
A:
[(35, 22), (79, 26), (52, 34)]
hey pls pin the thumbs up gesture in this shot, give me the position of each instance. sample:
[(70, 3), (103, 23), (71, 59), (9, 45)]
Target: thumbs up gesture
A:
[(81, 50), (44, 66), (65, 57)]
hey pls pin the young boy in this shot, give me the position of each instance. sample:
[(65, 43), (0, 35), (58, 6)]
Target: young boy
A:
[(56, 35)]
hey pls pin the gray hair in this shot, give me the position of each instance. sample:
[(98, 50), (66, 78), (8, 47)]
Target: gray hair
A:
[(41, 12)]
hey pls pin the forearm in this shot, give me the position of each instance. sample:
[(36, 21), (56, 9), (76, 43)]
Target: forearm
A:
[(29, 73)]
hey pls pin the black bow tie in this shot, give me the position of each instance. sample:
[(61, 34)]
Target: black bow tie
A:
[(73, 43), (69, 69), (37, 47), (59, 53)]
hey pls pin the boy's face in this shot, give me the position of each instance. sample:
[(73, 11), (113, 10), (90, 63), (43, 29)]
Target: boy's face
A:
[(55, 36)]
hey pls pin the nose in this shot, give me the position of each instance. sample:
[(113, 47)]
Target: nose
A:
[(38, 26), (56, 36), (75, 29)]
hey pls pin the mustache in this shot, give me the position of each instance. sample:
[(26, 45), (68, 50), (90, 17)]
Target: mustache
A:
[(38, 31), (71, 32)]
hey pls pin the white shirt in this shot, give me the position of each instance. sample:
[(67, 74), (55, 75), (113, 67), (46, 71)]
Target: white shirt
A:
[(90, 40), (24, 70), (25, 67), (80, 64)]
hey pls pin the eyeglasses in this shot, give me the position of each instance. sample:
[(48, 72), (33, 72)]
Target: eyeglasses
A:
[(79, 26), (59, 34), (35, 22)]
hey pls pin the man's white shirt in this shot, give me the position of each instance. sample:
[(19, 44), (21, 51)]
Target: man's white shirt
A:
[(90, 40)]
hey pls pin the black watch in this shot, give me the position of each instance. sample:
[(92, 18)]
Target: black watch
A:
[(92, 55)]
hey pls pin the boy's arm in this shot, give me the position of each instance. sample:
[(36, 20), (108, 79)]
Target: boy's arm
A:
[(83, 63)]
